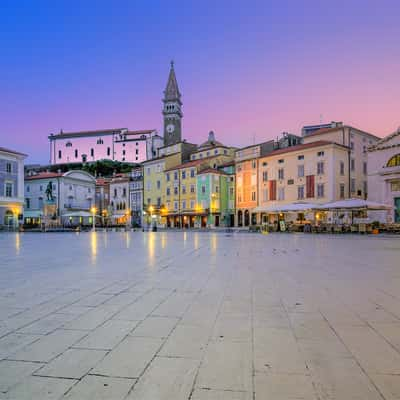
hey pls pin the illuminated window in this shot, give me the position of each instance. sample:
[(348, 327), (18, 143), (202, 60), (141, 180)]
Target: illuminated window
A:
[(394, 161)]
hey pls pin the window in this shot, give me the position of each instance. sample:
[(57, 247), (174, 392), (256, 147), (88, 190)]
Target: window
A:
[(341, 167), (91, 152), (395, 186), (9, 189), (183, 204), (281, 174), (123, 153), (231, 192), (352, 164), (300, 171), (176, 190), (168, 177), (8, 168), (215, 151), (148, 170), (320, 168), (216, 189), (176, 175), (158, 201), (352, 145), (300, 192), (115, 192), (192, 173), (108, 151), (364, 168), (124, 192), (28, 189), (183, 174), (225, 152), (136, 151), (208, 153), (148, 201), (281, 161), (264, 164), (342, 190), (59, 153), (320, 190), (192, 204), (28, 203), (365, 187), (352, 185), (281, 193), (68, 144), (254, 164), (300, 157), (265, 194), (168, 191), (203, 189), (265, 176), (100, 141), (175, 205), (158, 185), (253, 196), (192, 189), (41, 188), (183, 189), (320, 153), (148, 186)]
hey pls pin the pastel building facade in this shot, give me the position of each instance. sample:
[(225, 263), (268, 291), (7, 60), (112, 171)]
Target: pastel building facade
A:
[(357, 142), (119, 212), (11, 187), (72, 191), (136, 195), (111, 144), (384, 176)]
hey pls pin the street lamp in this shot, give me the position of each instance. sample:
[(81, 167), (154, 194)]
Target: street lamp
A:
[(93, 211)]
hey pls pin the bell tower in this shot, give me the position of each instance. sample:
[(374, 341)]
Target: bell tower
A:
[(172, 112)]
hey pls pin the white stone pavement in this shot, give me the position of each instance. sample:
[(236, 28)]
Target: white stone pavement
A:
[(200, 316)]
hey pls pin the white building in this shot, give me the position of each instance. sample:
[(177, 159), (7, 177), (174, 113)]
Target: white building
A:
[(111, 144), (11, 186), (72, 192), (384, 174)]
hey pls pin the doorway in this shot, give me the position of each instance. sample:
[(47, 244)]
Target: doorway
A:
[(217, 220)]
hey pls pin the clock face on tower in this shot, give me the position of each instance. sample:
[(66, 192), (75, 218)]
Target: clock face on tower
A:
[(170, 128)]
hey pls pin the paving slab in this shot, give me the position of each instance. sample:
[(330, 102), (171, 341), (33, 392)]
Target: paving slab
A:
[(158, 327), (12, 372), (166, 379), (100, 388), (129, 358), (107, 336), (73, 364), (39, 388)]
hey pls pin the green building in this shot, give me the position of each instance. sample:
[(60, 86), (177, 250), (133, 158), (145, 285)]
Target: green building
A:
[(216, 196)]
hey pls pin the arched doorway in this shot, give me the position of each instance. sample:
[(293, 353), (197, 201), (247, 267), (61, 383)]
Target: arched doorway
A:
[(9, 218), (240, 218), (246, 218)]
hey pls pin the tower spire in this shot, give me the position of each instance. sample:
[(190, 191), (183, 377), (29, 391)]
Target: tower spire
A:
[(171, 91)]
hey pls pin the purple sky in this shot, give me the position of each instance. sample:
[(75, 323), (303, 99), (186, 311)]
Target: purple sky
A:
[(245, 70)]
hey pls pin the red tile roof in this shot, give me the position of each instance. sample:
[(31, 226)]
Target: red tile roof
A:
[(12, 151), (212, 171), (192, 163), (337, 128), (300, 147), (43, 175)]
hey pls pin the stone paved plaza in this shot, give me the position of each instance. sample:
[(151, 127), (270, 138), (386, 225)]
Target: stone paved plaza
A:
[(200, 316)]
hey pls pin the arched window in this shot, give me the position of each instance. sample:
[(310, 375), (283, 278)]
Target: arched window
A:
[(394, 161)]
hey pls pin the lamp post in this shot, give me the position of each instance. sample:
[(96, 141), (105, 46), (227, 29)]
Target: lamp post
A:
[(93, 211)]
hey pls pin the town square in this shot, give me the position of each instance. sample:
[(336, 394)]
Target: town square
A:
[(200, 200), (199, 315)]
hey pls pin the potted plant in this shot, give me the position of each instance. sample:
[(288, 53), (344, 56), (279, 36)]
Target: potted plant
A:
[(375, 227)]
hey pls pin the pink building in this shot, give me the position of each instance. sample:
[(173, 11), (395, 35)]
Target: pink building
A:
[(111, 144)]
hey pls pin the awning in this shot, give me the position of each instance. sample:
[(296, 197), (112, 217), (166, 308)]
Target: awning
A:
[(83, 214), (33, 214), (354, 204), (291, 207)]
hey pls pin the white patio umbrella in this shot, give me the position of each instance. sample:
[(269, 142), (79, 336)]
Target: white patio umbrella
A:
[(353, 204)]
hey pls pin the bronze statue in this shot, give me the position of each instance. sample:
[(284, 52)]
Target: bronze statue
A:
[(49, 191)]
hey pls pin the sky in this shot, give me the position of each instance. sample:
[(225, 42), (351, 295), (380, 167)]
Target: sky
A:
[(248, 70)]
